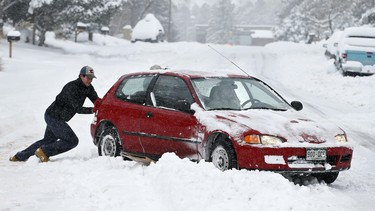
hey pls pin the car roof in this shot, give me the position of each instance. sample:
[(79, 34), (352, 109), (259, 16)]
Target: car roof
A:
[(360, 31), (194, 73)]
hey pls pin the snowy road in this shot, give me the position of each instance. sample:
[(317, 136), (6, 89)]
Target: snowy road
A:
[(80, 180)]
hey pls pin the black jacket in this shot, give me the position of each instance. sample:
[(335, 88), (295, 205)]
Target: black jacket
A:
[(71, 99)]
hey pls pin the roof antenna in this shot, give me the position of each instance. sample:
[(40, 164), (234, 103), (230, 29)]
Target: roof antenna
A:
[(228, 59)]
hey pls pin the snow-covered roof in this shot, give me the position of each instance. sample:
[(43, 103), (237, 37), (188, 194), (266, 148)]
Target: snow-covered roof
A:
[(262, 34), (360, 31)]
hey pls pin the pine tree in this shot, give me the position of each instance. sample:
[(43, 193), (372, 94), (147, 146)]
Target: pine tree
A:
[(298, 18), (220, 24)]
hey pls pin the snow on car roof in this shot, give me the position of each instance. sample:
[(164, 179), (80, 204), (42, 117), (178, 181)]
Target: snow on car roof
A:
[(359, 38), (198, 73), (364, 31)]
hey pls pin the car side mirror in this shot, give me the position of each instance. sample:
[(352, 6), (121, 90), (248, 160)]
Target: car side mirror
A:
[(297, 105), (183, 105)]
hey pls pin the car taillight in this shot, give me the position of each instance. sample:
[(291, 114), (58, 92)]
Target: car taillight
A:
[(344, 57)]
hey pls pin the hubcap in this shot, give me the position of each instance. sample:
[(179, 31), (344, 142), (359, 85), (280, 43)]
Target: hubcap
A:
[(109, 146), (220, 158)]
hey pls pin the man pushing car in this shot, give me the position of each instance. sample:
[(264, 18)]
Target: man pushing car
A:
[(58, 136)]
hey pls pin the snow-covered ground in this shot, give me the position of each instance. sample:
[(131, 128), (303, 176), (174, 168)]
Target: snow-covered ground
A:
[(81, 180)]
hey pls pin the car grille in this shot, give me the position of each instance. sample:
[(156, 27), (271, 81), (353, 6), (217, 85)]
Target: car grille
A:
[(331, 160)]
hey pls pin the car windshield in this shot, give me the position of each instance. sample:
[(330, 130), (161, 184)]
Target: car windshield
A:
[(237, 94)]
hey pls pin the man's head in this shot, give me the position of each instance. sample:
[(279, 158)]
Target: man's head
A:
[(87, 71), (86, 75)]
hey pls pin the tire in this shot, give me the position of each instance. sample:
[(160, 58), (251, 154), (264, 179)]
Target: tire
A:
[(223, 155), (328, 178), (339, 68), (109, 143)]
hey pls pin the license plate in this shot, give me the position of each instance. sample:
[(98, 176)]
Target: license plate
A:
[(316, 154)]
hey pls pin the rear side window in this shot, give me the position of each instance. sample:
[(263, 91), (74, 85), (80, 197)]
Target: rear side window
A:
[(169, 90), (134, 89)]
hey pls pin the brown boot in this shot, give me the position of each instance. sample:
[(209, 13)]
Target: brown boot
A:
[(41, 155), (14, 159)]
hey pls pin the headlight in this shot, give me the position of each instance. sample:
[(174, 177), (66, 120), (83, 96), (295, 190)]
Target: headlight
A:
[(270, 140), (262, 139), (341, 138)]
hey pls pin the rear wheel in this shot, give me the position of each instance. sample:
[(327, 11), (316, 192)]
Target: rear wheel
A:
[(223, 155), (327, 177), (109, 143)]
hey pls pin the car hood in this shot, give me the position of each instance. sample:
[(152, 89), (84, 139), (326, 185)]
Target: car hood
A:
[(290, 125)]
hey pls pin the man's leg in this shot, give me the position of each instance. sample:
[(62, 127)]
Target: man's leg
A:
[(66, 138), (49, 137)]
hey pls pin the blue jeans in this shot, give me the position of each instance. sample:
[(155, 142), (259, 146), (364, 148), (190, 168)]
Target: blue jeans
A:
[(58, 138)]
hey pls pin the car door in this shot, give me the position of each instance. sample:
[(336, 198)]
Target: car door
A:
[(164, 127), (127, 108)]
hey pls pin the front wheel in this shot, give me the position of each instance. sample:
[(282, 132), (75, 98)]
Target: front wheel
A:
[(223, 155), (109, 143)]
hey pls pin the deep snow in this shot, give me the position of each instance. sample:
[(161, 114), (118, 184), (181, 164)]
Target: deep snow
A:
[(81, 180)]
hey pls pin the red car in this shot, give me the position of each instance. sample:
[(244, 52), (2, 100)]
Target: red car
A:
[(233, 121)]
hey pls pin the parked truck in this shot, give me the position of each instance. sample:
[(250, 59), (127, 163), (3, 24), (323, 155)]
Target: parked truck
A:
[(356, 51)]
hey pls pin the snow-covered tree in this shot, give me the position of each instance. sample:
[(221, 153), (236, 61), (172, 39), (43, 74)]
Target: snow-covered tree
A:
[(259, 12), (368, 17), (182, 20), (365, 11), (220, 24), (48, 15), (300, 17), (201, 14)]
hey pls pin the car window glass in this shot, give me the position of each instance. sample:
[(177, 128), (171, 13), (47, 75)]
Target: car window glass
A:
[(168, 90), (264, 95), (215, 94), (134, 89), (241, 93)]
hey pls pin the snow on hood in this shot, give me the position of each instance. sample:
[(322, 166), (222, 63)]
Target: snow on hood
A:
[(292, 126)]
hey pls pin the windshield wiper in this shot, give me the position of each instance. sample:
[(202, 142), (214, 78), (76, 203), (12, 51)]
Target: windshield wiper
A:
[(267, 108), (232, 109)]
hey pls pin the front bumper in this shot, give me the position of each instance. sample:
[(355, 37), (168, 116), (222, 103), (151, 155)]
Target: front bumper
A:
[(292, 160)]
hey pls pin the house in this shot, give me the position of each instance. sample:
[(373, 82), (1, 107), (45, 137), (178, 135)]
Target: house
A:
[(255, 35)]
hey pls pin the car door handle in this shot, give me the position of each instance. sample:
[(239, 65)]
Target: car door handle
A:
[(149, 114)]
